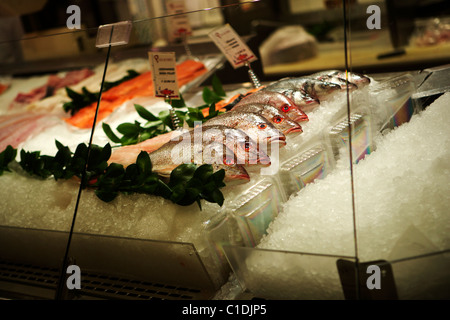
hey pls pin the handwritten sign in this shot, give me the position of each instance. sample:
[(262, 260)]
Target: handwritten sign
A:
[(163, 66), (232, 46)]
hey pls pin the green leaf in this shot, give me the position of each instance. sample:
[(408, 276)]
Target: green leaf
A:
[(178, 103), (125, 140), (190, 196), (143, 162), (212, 109), (144, 113), (182, 174), (58, 145), (163, 190), (217, 197), (217, 86), (114, 170), (63, 156), (109, 133), (207, 95), (129, 129), (151, 124), (218, 177), (210, 96), (106, 195), (6, 157), (178, 193), (203, 172), (106, 152), (81, 151), (75, 96)]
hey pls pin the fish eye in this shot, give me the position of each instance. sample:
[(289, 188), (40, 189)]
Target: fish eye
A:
[(286, 108), (262, 126), (246, 145), (228, 161), (278, 119)]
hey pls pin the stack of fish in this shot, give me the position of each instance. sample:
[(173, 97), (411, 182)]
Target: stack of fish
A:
[(244, 135)]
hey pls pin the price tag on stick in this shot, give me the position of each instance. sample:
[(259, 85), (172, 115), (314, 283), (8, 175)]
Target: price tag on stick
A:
[(178, 23), (234, 49), (164, 72)]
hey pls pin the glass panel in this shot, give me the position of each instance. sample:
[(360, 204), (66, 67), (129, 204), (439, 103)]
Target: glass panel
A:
[(423, 277), (396, 213), (302, 216), (37, 212), (30, 261), (273, 274), (120, 267), (168, 233)]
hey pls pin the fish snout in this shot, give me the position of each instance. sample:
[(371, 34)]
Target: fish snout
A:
[(301, 118), (241, 176), (298, 129), (264, 159), (280, 139)]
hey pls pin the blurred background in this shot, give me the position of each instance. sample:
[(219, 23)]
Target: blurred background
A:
[(290, 37)]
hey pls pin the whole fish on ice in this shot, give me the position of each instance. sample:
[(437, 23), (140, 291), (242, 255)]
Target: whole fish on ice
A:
[(244, 149), (355, 80), (174, 153), (305, 92), (276, 99), (256, 126), (278, 119), (237, 140)]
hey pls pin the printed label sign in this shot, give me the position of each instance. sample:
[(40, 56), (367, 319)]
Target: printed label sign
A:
[(163, 66), (232, 46), (178, 23)]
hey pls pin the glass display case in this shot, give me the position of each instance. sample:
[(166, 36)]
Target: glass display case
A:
[(353, 205)]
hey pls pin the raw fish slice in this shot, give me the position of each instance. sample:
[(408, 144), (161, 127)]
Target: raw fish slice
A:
[(139, 86), (16, 130)]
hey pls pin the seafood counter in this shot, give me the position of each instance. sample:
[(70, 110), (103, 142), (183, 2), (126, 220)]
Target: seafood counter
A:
[(211, 192)]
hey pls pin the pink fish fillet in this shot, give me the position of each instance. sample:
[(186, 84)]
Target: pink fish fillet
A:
[(15, 129)]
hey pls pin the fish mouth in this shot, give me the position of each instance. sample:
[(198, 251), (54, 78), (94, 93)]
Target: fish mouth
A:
[(242, 176), (277, 139), (294, 129), (265, 161), (301, 119)]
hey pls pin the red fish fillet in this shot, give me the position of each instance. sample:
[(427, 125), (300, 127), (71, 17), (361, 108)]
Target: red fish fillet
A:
[(140, 86)]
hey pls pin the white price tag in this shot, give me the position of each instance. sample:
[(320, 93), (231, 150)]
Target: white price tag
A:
[(178, 23), (232, 46), (164, 72)]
